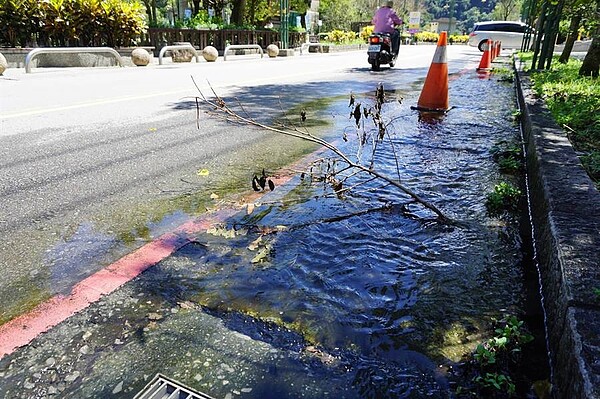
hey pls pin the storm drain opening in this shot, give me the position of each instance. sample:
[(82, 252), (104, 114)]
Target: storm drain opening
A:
[(162, 387)]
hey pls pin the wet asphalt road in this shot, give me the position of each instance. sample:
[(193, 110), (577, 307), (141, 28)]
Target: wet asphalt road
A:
[(96, 162)]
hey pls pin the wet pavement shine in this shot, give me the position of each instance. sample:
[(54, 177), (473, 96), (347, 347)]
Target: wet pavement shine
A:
[(307, 294)]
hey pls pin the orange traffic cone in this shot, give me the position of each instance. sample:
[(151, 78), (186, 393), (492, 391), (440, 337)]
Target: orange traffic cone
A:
[(493, 51), (434, 95), (498, 48), (486, 58)]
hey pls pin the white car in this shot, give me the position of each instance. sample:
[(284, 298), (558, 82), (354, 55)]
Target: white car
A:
[(510, 33)]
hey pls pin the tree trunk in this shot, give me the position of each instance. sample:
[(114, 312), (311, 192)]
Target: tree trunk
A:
[(195, 6), (151, 10), (556, 16), (538, 38), (237, 14), (591, 62), (550, 28), (573, 28)]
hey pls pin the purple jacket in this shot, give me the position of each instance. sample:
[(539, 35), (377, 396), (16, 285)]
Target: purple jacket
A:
[(385, 19)]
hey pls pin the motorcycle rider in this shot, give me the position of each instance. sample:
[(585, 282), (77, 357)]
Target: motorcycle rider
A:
[(385, 20)]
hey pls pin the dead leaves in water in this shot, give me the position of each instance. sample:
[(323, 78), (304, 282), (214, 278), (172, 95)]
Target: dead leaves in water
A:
[(260, 183)]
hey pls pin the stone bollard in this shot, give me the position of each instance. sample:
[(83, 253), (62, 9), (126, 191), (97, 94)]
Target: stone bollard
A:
[(140, 57), (3, 64), (210, 53), (272, 50)]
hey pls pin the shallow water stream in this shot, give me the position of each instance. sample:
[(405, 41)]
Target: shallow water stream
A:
[(313, 295)]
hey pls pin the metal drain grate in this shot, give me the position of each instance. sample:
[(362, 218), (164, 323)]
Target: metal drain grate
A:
[(162, 387)]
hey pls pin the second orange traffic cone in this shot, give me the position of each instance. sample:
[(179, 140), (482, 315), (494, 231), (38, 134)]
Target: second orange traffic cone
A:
[(486, 58), (434, 96)]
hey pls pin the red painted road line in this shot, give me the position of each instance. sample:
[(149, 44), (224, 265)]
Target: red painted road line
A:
[(22, 330)]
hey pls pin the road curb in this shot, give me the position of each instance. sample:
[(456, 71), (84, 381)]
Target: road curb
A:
[(564, 207)]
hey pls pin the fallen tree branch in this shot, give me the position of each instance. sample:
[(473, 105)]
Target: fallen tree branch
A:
[(222, 110)]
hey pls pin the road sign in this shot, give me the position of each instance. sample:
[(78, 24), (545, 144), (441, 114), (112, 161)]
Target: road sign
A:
[(414, 21)]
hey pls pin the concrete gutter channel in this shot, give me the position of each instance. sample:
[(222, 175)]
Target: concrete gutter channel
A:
[(565, 211)]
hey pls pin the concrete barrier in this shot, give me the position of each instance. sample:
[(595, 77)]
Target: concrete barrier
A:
[(565, 210)]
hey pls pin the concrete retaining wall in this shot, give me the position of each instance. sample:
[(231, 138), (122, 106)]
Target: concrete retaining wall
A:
[(566, 218)]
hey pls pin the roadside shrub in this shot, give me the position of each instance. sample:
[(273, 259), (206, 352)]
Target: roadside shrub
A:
[(20, 21), (366, 32), (71, 22), (427, 37), (458, 38), (341, 37)]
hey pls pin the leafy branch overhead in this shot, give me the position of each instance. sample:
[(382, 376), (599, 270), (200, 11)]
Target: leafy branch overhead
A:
[(341, 171)]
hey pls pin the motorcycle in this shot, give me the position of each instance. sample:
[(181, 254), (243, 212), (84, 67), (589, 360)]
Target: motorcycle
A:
[(380, 50)]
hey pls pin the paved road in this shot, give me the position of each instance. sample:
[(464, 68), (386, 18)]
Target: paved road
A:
[(95, 162)]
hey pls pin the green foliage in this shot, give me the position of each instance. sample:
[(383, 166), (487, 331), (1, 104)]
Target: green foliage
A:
[(484, 356), (597, 292), (499, 382), (574, 102), (298, 29), (504, 198), (19, 19), (503, 74), (202, 20), (337, 14), (508, 156), (71, 22), (513, 331), (490, 367)]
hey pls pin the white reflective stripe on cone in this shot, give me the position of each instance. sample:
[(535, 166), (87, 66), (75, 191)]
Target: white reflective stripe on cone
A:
[(440, 56)]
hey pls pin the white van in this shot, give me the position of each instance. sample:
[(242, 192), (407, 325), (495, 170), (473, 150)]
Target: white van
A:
[(510, 33)]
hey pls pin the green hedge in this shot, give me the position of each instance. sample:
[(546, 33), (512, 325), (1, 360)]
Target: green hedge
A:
[(71, 22)]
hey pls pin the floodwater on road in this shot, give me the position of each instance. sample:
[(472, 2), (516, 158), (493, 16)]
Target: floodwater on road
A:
[(312, 294)]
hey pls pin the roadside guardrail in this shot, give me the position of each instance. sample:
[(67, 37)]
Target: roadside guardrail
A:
[(69, 50), (242, 46), (177, 47)]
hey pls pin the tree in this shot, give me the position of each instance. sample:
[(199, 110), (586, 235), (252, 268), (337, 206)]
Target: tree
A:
[(507, 10), (337, 14), (237, 14), (547, 31), (582, 15), (571, 35), (591, 62)]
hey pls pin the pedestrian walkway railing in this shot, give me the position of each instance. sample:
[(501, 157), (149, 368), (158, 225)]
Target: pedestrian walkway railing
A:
[(70, 50), (177, 47)]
